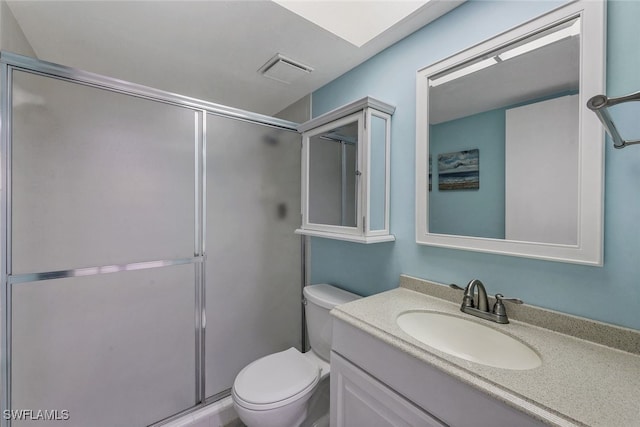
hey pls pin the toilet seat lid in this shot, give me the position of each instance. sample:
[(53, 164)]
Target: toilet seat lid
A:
[(276, 377)]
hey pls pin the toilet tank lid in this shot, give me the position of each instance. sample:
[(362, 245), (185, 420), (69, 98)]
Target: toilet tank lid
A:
[(328, 296)]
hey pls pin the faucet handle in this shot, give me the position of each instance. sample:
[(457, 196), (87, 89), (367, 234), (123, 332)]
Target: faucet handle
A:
[(467, 300), (500, 297), (499, 309)]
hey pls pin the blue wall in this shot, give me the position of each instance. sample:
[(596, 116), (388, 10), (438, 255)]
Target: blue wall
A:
[(478, 213), (610, 293)]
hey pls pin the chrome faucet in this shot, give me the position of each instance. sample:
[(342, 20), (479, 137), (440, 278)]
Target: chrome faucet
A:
[(469, 294), (480, 307)]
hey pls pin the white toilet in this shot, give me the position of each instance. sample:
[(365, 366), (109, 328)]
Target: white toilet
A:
[(275, 390)]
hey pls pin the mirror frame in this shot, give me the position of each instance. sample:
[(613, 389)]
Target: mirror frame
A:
[(589, 247)]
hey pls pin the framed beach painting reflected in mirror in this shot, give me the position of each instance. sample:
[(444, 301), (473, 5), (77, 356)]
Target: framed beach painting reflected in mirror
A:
[(459, 170)]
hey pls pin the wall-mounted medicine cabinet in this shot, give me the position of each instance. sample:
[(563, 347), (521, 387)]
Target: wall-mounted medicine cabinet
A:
[(345, 173)]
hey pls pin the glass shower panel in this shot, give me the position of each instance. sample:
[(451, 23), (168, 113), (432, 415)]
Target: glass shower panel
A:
[(113, 349), (253, 267), (98, 169)]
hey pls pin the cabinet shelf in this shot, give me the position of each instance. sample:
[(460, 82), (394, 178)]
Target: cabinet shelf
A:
[(347, 237)]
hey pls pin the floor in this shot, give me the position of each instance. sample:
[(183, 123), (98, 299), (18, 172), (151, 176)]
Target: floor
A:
[(222, 414), (235, 423)]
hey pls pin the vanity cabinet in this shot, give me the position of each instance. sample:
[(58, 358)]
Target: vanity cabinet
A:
[(374, 383), (361, 400), (345, 173)]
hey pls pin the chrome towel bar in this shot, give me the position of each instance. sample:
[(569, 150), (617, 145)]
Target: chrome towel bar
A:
[(599, 104)]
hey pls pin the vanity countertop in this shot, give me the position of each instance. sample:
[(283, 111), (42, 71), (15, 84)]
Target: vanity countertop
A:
[(580, 383)]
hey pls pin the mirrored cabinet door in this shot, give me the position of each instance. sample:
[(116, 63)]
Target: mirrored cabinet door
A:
[(345, 173), (333, 175)]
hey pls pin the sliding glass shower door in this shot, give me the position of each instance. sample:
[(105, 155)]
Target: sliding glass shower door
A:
[(148, 250), (253, 267), (102, 242)]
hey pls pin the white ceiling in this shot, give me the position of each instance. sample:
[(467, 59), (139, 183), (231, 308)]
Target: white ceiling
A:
[(209, 50), (549, 70)]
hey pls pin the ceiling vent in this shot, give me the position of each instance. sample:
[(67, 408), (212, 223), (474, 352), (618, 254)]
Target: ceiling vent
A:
[(283, 69)]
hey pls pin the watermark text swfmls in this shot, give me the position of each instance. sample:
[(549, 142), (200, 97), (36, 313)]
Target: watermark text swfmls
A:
[(36, 414)]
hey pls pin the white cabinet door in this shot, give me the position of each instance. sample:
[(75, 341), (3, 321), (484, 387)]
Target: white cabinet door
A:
[(358, 399)]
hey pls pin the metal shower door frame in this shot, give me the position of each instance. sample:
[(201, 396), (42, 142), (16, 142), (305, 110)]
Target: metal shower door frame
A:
[(10, 62)]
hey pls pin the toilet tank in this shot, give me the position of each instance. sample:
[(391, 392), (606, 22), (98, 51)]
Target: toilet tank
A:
[(320, 299)]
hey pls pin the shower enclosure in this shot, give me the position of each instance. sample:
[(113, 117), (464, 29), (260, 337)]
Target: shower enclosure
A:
[(148, 251)]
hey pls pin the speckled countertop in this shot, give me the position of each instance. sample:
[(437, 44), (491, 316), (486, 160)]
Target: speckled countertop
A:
[(579, 382)]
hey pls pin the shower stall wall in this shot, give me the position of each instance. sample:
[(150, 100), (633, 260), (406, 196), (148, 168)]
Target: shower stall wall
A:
[(148, 250)]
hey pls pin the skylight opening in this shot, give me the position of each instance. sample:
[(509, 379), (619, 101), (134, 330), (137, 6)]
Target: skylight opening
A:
[(357, 22)]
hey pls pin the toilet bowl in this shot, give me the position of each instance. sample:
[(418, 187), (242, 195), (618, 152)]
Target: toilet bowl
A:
[(275, 390)]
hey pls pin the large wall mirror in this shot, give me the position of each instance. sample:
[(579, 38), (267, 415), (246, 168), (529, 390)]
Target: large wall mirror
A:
[(509, 159)]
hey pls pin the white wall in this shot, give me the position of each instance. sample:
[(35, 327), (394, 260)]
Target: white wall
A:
[(12, 38), (298, 112), (541, 155)]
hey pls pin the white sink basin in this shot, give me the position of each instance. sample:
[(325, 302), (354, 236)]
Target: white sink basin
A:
[(468, 340)]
